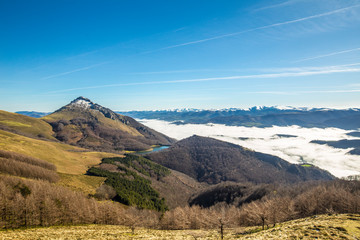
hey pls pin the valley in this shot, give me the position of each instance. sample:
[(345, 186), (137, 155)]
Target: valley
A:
[(85, 164)]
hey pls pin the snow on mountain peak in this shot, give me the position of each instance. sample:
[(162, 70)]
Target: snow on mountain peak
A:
[(82, 102)]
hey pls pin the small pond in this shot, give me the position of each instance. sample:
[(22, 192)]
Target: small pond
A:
[(154, 149)]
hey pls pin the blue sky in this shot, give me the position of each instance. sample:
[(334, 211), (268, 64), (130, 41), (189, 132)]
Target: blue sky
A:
[(142, 55)]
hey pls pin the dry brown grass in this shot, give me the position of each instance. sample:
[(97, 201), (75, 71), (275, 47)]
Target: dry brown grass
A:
[(82, 183), (22, 169), (66, 158), (344, 226)]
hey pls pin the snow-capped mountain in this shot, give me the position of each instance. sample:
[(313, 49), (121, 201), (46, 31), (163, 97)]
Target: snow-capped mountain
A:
[(260, 116)]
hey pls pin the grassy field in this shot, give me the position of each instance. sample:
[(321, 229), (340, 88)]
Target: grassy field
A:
[(28, 126), (82, 183), (344, 226), (68, 159)]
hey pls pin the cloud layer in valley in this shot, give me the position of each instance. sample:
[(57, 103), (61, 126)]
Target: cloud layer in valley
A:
[(290, 143)]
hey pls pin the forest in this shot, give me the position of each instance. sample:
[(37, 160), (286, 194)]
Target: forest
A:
[(29, 203)]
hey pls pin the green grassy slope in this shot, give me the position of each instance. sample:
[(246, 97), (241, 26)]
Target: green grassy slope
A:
[(24, 125), (67, 159)]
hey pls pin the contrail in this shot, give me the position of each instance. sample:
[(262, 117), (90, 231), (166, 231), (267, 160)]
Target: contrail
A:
[(304, 92), (304, 72), (257, 28), (216, 37), (327, 55), (73, 71), (275, 5)]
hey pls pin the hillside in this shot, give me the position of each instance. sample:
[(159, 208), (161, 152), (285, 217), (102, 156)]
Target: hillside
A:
[(67, 159), (89, 125), (213, 161), (137, 181), (230, 193), (24, 125), (71, 162)]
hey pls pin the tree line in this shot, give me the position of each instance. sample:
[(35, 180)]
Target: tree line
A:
[(28, 203)]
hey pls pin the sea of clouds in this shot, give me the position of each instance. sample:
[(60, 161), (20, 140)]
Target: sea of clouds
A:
[(295, 148)]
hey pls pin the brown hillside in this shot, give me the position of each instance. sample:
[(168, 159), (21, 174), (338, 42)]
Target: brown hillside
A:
[(213, 161)]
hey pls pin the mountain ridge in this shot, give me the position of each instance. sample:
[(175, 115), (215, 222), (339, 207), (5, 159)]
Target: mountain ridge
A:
[(260, 117)]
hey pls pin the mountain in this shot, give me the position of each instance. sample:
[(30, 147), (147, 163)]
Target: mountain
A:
[(259, 116), (33, 114), (213, 161), (89, 125)]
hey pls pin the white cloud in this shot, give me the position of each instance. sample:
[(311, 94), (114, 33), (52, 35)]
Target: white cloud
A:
[(295, 150)]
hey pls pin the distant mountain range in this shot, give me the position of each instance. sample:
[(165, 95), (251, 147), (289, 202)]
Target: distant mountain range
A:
[(33, 114), (259, 116), (344, 144), (255, 116)]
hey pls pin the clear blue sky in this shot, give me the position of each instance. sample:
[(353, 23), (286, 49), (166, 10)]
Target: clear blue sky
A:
[(141, 55)]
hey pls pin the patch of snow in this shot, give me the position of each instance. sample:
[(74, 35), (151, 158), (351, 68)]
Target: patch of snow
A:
[(82, 103)]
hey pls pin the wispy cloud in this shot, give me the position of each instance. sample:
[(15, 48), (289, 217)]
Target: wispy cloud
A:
[(337, 11), (328, 55), (355, 67), (172, 71), (73, 71), (303, 92), (286, 3)]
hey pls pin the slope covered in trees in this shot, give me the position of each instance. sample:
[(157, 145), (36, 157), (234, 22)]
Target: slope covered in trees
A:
[(235, 194), (213, 161), (129, 187), (23, 166), (136, 181)]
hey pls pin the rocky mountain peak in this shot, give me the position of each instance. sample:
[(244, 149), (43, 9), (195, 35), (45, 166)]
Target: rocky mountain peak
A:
[(82, 103)]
